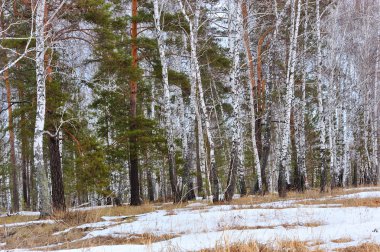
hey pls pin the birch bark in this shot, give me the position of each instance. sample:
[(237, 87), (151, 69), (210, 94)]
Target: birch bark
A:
[(236, 157), (321, 115), (249, 60), (167, 112), (42, 180), (289, 98), (197, 85), (301, 146)]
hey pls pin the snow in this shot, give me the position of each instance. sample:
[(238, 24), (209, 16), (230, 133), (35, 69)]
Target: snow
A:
[(100, 224), (359, 188), (22, 213), (360, 195), (112, 218), (27, 223), (199, 226), (203, 229), (196, 204)]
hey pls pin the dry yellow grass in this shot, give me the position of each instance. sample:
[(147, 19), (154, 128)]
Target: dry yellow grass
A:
[(36, 236), (354, 202), (314, 194), (39, 235), (342, 240), (16, 218), (365, 247), (141, 239), (252, 246), (286, 226)]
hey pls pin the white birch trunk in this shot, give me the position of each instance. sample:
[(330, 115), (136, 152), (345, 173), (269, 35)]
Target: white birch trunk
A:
[(167, 111), (246, 41), (346, 149), (375, 114), (196, 83), (321, 116), (289, 97), (236, 158), (301, 146), (42, 180)]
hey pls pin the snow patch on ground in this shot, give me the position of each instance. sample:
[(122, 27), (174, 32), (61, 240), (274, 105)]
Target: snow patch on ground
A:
[(360, 195), (360, 188), (27, 223), (21, 213), (113, 218), (100, 224), (203, 229), (196, 204), (197, 229)]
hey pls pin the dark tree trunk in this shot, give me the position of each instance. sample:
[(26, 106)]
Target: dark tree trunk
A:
[(24, 156), (191, 194), (58, 193), (282, 185), (133, 144), (266, 150), (176, 193), (33, 189), (150, 185), (323, 172), (355, 177), (25, 183), (228, 194), (215, 184)]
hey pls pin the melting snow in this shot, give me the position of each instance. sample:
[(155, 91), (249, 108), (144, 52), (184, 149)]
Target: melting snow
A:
[(197, 229), (27, 223)]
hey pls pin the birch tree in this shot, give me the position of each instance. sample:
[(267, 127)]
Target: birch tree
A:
[(236, 172), (196, 85), (42, 180), (321, 115), (158, 9), (295, 21)]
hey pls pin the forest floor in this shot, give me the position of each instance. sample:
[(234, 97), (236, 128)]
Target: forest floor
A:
[(344, 220)]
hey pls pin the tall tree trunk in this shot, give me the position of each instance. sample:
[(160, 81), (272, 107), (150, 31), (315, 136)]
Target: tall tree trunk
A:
[(289, 98), (167, 112), (42, 180), (198, 165), (256, 132), (14, 168), (375, 114), (24, 156), (58, 194), (346, 149), (300, 127), (149, 177), (236, 156), (321, 122), (196, 84), (211, 145), (15, 197), (133, 143)]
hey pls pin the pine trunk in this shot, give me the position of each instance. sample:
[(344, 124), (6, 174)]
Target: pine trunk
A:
[(133, 143), (58, 194)]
